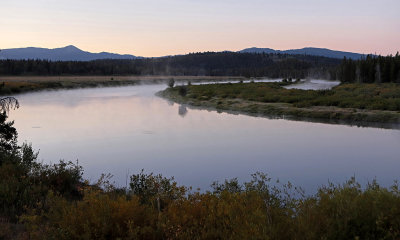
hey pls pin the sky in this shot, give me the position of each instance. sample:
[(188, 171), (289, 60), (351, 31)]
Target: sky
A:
[(153, 28)]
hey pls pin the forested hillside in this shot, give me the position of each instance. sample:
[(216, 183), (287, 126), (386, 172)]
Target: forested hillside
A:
[(196, 64), (366, 70)]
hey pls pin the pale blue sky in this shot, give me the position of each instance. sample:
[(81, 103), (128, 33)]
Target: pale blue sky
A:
[(161, 27)]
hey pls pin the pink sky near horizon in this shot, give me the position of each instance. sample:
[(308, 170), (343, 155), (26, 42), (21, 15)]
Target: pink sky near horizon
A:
[(160, 27)]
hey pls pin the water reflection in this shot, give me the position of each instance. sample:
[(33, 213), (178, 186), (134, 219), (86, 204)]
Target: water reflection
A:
[(128, 129), (182, 111)]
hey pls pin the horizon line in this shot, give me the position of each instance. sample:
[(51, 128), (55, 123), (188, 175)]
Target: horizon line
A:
[(72, 45)]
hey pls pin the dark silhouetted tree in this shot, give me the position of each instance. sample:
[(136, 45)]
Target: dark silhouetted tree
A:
[(8, 134)]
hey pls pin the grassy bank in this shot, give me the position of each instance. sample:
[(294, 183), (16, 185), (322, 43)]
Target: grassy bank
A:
[(20, 84), (351, 103)]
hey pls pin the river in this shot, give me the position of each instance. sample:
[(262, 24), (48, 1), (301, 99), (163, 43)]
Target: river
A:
[(121, 130)]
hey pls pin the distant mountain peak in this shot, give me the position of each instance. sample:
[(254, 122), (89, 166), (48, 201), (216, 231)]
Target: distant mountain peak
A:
[(71, 47)]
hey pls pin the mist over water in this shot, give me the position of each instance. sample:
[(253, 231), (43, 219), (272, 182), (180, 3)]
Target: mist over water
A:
[(122, 130), (314, 84)]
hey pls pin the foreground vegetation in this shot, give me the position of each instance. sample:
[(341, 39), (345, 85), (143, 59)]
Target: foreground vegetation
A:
[(40, 201), (347, 102)]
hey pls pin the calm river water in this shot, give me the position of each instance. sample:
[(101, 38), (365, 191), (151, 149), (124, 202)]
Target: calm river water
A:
[(122, 130)]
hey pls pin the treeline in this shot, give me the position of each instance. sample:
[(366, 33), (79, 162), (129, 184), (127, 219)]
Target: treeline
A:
[(195, 64), (370, 69), (366, 70), (39, 201)]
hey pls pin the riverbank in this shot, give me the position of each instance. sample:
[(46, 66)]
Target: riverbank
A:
[(358, 104), (21, 84)]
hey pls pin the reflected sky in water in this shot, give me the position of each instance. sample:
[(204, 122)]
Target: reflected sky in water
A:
[(123, 130)]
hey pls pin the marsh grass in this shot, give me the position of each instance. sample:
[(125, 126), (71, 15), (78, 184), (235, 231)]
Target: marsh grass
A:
[(348, 102)]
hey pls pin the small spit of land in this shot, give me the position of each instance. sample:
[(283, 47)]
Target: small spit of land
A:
[(20, 84), (347, 102)]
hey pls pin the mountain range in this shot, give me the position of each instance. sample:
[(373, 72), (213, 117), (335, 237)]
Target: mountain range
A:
[(68, 53), (324, 52), (72, 53)]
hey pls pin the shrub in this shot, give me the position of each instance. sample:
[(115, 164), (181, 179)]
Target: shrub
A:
[(155, 189), (171, 83)]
